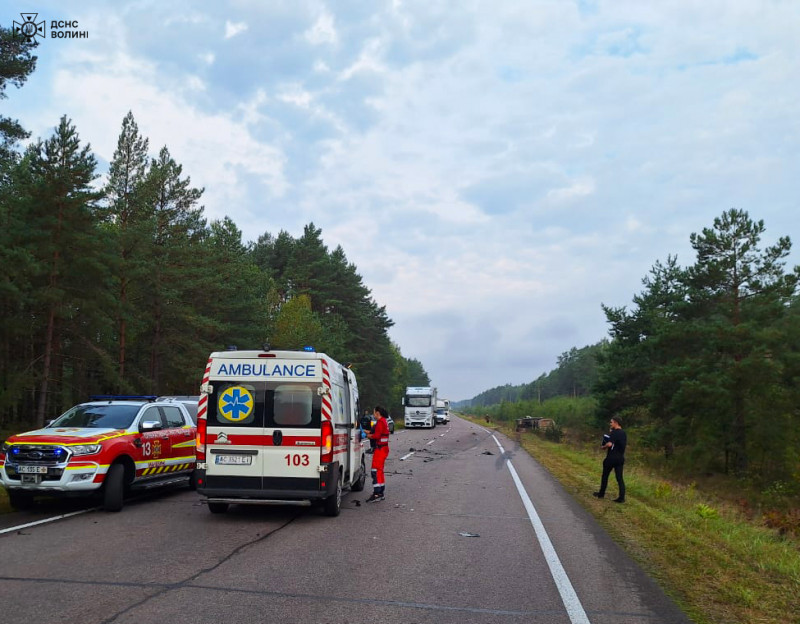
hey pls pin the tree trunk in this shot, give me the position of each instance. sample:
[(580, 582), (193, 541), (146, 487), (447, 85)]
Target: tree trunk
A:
[(155, 358), (123, 296), (740, 458), (51, 324), (48, 354)]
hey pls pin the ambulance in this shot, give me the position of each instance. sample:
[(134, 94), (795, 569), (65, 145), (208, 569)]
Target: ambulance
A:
[(278, 427)]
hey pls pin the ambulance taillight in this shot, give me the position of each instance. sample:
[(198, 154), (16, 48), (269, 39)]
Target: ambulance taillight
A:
[(326, 450), (200, 440)]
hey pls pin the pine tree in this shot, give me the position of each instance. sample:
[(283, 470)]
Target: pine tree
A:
[(129, 209), (232, 302), (64, 237), (737, 291), (178, 229), (16, 63)]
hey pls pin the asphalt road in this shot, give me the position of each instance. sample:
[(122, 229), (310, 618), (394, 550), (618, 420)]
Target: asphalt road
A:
[(454, 541)]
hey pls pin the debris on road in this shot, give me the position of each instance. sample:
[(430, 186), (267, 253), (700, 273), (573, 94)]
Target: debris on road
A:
[(465, 534)]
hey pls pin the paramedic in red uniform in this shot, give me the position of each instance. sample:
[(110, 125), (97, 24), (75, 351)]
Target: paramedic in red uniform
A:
[(380, 433)]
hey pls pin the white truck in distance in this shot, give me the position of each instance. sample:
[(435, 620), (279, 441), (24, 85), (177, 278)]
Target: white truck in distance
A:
[(419, 404), (442, 411)]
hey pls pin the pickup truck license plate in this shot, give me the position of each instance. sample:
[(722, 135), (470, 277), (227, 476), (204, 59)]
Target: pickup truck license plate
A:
[(235, 460), (32, 469)]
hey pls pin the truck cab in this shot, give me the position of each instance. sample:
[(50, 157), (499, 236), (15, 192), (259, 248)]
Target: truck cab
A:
[(419, 404)]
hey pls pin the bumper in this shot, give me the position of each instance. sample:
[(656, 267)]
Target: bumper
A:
[(266, 489), (59, 480)]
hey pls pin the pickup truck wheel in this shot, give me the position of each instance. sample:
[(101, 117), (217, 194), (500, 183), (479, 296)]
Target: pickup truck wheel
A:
[(20, 500), (358, 486), (333, 504), (218, 508), (114, 488)]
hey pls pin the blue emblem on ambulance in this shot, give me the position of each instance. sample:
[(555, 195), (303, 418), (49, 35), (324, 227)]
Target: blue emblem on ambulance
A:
[(235, 404)]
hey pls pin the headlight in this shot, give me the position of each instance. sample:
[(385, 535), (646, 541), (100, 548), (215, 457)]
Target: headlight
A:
[(85, 449)]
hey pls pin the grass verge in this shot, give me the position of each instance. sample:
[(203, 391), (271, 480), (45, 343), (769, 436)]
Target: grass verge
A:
[(717, 564)]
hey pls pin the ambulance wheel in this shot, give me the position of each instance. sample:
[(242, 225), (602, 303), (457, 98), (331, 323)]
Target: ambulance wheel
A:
[(114, 488), (20, 500), (333, 504), (218, 508), (358, 486)]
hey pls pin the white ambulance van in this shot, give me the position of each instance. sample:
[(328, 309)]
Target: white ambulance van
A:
[(278, 427)]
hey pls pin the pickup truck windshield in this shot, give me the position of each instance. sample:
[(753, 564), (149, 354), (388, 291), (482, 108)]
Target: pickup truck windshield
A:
[(98, 417)]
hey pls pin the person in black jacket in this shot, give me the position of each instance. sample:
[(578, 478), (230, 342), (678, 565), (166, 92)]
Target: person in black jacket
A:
[(615, 442), (368, 425)]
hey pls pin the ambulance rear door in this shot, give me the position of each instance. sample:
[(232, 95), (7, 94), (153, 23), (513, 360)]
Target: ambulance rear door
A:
[(235, 437), (293, 423)]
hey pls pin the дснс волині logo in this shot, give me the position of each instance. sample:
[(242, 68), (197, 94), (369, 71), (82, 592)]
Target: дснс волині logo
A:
[(29, 28)]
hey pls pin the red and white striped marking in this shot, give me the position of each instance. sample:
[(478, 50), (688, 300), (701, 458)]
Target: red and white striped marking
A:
[(326, 398), (202, 404)]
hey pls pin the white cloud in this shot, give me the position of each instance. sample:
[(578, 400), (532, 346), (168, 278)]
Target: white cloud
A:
[(214, 149), (579, 188), (323, 31), (368, 61), (233, 29), (295, 94), (195, 83), (251, 109)]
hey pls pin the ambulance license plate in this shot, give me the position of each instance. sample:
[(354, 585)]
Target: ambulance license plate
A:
[(234, 460), (32, 469)]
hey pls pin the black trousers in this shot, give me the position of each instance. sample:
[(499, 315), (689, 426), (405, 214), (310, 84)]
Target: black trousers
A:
[(609, 464)]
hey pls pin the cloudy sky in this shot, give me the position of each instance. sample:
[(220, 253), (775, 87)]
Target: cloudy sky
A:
[(495, 170)]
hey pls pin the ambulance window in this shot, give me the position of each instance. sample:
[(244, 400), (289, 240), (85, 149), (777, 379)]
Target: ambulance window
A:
[(237, 404), (292, 405)]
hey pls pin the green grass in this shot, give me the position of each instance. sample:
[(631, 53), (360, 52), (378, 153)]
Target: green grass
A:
[(714, 557)]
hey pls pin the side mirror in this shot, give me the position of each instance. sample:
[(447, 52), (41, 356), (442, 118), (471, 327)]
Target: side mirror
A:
[(150, 425)]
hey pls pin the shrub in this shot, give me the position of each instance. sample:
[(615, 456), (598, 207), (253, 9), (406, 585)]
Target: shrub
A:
[(554, 433), (784, 521), (706, 512)]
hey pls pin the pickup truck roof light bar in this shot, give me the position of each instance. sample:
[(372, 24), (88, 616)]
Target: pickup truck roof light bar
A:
[(123, 397)]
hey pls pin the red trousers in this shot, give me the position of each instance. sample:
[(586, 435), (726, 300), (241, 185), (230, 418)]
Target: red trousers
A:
[(378, 461)]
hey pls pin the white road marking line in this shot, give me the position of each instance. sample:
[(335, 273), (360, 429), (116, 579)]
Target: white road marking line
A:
[(431, 442), (406, 456), (568, 596), (19, 527)]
